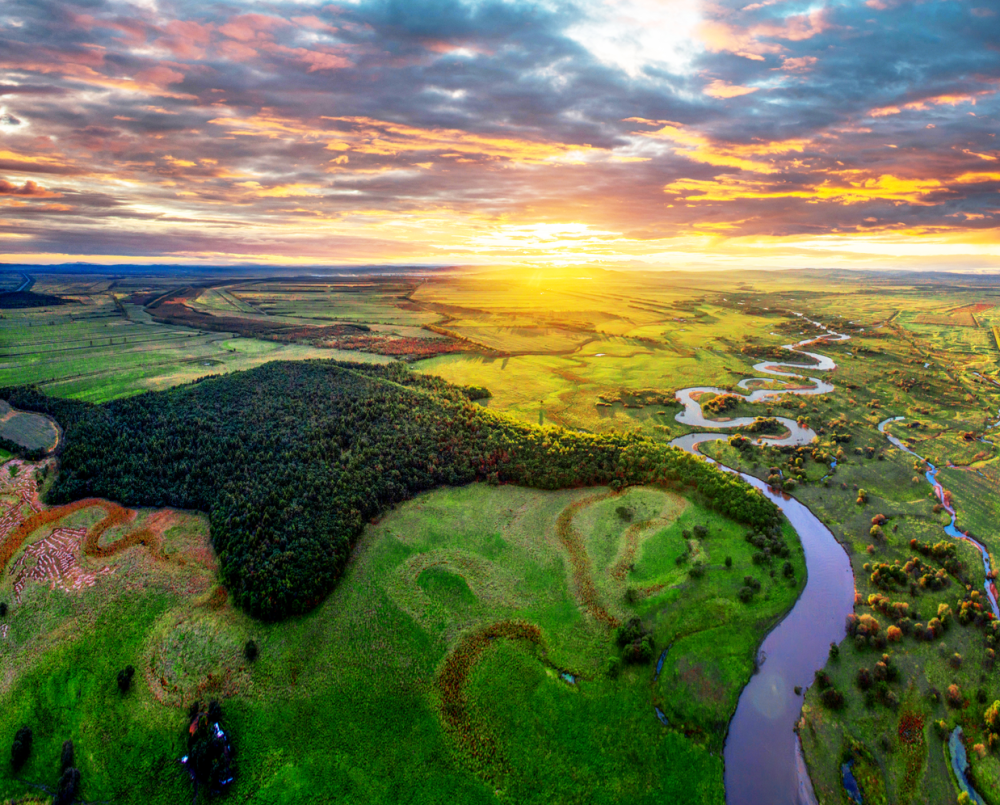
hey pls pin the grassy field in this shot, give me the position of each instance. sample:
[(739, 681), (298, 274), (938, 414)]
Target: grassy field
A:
[(349, 702), (579, 348), (102, 348), (31, 431)]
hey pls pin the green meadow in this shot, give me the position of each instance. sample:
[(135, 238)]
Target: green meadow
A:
[(347, 703)]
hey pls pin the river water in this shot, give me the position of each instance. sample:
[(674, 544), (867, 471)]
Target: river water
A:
[(951, 529), (763, 761)]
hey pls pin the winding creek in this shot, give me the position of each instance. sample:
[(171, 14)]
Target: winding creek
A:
[(763, 758), (951, 529)]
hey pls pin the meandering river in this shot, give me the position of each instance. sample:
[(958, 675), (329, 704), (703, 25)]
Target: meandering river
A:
[(763, 760), (951, 529)]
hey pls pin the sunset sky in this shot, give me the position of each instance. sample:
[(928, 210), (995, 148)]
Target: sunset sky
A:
[(675, 133)]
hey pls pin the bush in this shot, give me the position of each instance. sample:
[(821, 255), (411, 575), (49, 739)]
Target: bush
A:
[(834, 651), (21, 748), (697, 570), (639, 651), (745, 594), (832, 699), (625, 513), (954, 696), (67, 755), (125, 678), (612, 668), (250, 650), (787, 570), (69, 787), (3, 609), (729, 561), (822, 679), (992, 717), (864, 679), (629, 632)]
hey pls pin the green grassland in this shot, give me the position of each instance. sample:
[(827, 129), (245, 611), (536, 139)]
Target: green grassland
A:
[(103, 349), (30, 431), (881, 373), (345, 702), (551, 347)]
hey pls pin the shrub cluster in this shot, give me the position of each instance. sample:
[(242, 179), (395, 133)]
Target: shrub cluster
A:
[(721, 404), (209, 758), (750, 586), (770, 544), (125, 678), (635, 642), (21, 748)]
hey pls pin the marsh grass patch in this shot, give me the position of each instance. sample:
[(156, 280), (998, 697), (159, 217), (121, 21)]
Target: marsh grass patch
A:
[(193, 655)]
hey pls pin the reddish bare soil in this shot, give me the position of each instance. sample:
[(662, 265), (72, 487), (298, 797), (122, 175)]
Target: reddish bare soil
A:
[(572, 541), (475, 739)]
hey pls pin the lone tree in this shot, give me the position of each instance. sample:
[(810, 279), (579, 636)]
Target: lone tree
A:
[(69, 787), (125, 678), (250, 650), (21, 748), (67, 755)]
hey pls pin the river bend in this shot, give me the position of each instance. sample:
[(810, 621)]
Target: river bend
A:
[(763, 760)]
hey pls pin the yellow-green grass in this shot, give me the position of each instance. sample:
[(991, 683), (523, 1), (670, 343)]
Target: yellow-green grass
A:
[(219, 300), (343, 703), (333, 302), (977, 506), (96, 352)]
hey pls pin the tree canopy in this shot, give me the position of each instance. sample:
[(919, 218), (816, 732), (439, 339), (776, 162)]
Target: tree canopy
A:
[(291, 459)]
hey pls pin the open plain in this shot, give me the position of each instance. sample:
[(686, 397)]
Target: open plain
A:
[(478, 644)]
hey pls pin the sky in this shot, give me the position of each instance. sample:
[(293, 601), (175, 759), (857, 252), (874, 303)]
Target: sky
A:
[(662, 133)]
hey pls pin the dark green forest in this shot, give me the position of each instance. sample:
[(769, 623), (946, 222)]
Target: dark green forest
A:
[(290, 460)]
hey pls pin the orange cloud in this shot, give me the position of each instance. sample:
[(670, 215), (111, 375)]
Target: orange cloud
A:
[(720, 89), (745, 156), (935, 100), (160, 76), (733, 188), (719, 37), (316, 59), (366, 135), (247, 27), (29, 189), (281, 190), (799, 65)]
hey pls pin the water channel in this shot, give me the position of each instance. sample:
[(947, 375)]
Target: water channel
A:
[(763, 758)]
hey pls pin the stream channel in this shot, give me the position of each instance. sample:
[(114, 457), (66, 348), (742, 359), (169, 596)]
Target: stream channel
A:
[(763, 757)]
